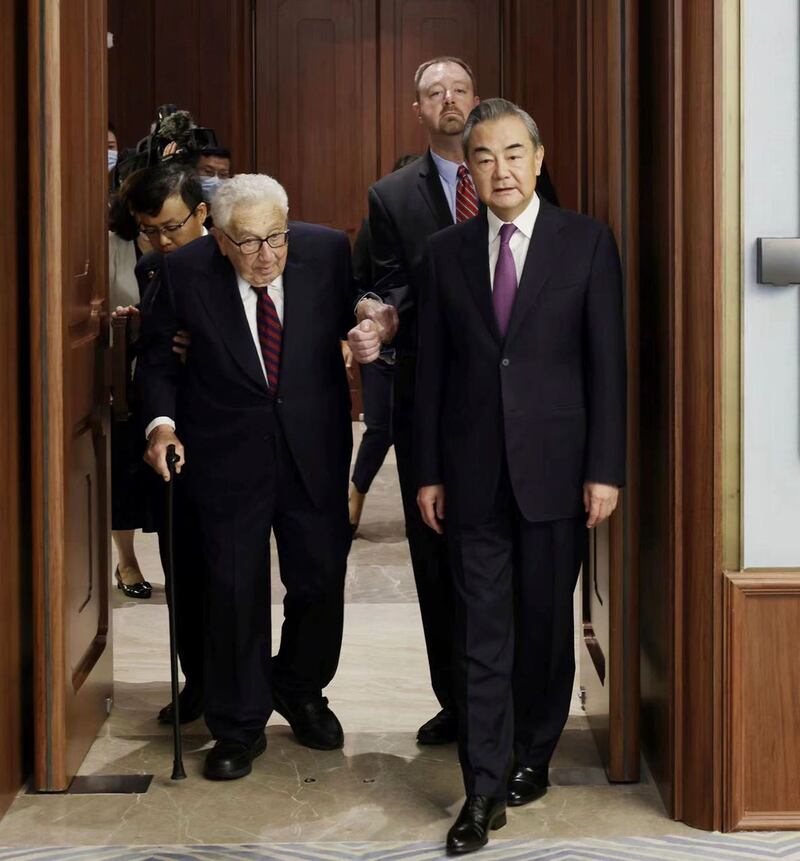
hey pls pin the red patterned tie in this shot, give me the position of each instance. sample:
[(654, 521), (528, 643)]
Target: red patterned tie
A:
[(270, 335), (466, 199)]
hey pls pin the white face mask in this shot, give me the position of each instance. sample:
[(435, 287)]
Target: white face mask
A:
[(113, 155), (209, 184)]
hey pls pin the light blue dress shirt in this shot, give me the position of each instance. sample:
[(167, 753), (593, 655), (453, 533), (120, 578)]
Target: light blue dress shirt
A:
[(448, 175)]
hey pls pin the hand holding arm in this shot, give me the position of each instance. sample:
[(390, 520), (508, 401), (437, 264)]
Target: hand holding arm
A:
[(382, 315), (364, 341)]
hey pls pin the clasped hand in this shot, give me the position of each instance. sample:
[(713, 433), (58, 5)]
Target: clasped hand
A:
[(377, 325)]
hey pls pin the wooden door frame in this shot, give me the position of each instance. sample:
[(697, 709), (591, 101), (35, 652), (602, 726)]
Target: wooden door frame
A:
[(59, 747)]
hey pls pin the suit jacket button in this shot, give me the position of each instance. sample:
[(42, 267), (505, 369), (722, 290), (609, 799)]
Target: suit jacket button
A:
[(505, 363), (279, 400)]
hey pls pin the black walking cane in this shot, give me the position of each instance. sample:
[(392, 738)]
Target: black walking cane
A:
[(177, 764)]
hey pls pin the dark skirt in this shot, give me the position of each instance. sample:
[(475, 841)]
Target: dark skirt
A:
[(129, 497)]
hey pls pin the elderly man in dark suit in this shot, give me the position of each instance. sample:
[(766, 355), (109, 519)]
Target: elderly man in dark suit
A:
[(260, 418), (520, 421)]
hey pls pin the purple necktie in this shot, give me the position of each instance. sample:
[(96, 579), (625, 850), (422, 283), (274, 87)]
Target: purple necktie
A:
[(505, 280)]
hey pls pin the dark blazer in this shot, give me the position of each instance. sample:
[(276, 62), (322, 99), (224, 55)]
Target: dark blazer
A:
[(405, 208), (550, 398), (220, 400)]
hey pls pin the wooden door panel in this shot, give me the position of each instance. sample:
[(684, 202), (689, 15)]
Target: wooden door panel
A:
[(69, 421), (412, 31), (315, 105), (196, 55), (609, 671)]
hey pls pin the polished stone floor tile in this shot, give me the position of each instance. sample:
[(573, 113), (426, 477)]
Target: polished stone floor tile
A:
[(382, 789)]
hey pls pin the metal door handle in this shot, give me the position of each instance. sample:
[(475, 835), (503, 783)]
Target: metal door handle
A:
[(778, 261)]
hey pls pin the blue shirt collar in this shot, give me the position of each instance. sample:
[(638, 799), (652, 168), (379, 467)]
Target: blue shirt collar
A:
[(448, 170)]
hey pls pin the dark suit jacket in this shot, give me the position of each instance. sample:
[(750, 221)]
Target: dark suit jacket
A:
[(405, 208), (220, 400), (550, 398)]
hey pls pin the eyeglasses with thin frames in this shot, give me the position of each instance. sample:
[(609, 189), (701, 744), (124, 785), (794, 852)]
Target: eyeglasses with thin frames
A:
[(168, 229), (253, 245)]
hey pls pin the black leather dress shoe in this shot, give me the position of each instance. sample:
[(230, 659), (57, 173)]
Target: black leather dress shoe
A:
[(313, 723), (228, 760), (142, 589), (526, 785), (479, 815), (440, 729), (190, 706)]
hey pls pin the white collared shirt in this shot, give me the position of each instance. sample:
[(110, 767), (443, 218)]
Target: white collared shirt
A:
[(519, 242), (250, 303)]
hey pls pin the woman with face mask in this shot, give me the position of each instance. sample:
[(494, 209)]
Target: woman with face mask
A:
[(128, 498)]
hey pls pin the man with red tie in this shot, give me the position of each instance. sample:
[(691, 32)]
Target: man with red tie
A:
[(260, 415), (405, 209), (520, 446)]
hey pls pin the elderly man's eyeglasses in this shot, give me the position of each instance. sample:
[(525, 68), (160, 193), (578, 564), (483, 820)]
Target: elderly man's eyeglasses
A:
[(167, 229), (253, 245)]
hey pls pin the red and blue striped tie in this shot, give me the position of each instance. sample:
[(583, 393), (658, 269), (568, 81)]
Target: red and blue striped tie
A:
[(270, 335)]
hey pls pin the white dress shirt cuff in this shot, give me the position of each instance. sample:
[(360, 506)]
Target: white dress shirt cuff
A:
[(160, 420)]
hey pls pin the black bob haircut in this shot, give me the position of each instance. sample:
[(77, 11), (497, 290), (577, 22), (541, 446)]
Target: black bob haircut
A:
[(212, 152), (145, 191)]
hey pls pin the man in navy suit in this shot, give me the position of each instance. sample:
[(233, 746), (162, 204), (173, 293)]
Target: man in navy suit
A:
[(260, 416), (520, 445)]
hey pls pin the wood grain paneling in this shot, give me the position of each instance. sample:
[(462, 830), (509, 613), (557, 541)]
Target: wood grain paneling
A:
[(412, 31), (609, 192), (681, 400), (12, 161), (316, 105), (763, 687), (542, 54), (197, 55), (69, 404), (658, 523)]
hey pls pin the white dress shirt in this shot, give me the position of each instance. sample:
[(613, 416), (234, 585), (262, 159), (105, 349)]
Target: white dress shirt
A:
[(518, 243), (250, 303)]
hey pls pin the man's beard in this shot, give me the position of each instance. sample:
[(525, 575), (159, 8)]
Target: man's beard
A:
[(452, 124)]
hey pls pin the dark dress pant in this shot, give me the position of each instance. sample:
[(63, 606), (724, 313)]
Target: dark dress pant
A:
[(429, 554), (312, 550), (376, 390), (514, 646)]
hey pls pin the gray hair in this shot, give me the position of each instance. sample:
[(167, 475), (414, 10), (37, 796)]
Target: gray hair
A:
[(246, 189), (494, 109)]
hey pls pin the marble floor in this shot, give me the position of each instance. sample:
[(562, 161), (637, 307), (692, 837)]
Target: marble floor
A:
[(380, 789)]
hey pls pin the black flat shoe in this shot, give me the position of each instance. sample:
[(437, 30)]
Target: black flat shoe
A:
[(190, 706), (312, 721), (479, 815), (230, 760), (440, 729), (526, 785), (136, 590)]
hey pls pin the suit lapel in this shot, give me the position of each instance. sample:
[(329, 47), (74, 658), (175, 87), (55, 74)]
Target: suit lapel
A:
[(430, 187), (543, 251), (294, 279), (223, 302), (475, 262)]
